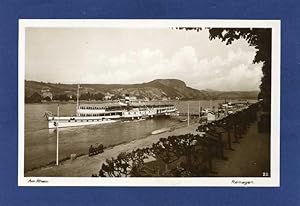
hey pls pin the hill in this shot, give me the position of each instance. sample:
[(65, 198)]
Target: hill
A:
[(155, 90)]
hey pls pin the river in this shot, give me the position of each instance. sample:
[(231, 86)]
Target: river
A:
[(40, 142)]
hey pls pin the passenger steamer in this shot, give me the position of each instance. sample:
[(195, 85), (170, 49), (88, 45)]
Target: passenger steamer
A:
[(93, 114)]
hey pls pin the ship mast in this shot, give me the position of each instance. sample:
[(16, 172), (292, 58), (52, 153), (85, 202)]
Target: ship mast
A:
[(57, 135), (188, 114), (77, 105), (199, 110)]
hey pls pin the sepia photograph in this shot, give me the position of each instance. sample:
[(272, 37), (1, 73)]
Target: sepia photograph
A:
[(149, 103)]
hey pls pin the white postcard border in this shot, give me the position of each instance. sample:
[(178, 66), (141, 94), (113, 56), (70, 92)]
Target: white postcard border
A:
[(273, 181)]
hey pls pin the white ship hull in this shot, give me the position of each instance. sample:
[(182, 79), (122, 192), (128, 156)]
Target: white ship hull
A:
[(76, 121), (61, 122)]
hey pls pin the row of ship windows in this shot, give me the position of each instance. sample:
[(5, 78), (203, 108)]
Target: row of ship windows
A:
[(106, 114), (113, 113), (93, 108), (101, 115), (91, 120)]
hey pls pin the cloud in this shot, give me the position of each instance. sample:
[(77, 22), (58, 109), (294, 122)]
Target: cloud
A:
[(134, 56), (233, 71)]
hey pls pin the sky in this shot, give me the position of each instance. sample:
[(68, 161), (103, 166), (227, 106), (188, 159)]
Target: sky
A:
[(137, 55)]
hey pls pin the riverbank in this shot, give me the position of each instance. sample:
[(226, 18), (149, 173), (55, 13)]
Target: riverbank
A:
[(85, 166)]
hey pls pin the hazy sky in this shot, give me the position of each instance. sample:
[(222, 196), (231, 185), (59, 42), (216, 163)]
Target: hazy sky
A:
[(115, 56)]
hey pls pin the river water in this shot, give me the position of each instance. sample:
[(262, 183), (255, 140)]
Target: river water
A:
[(40, 142)]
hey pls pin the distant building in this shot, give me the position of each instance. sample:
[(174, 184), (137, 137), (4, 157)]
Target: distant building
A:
[(165, 98), (108, 96), (70, 95), (128, 99), (45, 92), (211, 116), (133, 98)]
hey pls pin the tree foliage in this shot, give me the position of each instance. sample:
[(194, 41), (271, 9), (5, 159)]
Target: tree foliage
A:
[(34, 98), (165, 150), (118, 167), (126, 164), (61, 97), (47, 98)]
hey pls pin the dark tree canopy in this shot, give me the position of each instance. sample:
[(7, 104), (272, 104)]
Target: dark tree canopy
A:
[(61, 97), (47, 98), (34, 98)]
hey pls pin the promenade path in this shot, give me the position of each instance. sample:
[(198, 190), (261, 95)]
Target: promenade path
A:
[(250, 158)]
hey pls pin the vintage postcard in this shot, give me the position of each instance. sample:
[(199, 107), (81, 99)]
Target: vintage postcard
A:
[(149, 103)]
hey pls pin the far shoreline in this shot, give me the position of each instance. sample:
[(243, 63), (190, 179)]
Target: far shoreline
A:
[(172, 100)]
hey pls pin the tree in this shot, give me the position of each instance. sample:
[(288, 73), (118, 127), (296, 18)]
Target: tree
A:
[(98, 96), (165, 150), (85, 96), (47, 98), (118, 167), (195, 149), (108, 169), (115, 97), (126, 164), (185, 145), (34, 98), (63, 97), (137, 160)]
